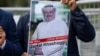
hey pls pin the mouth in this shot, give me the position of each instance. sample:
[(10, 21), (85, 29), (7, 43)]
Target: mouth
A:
[(48, 16)]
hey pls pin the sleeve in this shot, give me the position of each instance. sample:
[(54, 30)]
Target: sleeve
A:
[(83, 28), (12, 47)]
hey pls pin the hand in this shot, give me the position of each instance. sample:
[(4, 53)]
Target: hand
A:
[(71, 3), (2, 36), (25, 54)]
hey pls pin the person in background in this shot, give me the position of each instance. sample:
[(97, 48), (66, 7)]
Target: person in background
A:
[(79, 26), (9, 41)]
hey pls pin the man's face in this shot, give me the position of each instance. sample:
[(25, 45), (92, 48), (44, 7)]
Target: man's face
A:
[(49, 13)]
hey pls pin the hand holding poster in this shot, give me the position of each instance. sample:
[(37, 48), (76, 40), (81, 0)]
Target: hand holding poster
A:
[(49, 28)]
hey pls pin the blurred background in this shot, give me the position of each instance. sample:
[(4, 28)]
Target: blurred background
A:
[(90, 7)]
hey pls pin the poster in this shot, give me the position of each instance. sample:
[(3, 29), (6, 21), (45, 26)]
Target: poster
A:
[(49, 28)]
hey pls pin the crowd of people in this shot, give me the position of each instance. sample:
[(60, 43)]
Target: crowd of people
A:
[(14, 40)]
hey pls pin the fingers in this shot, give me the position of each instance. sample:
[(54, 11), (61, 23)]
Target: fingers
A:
[(70, 3), (65, 1)]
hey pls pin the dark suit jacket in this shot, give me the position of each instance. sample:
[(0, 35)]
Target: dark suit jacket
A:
[(12, 47), (79, 26)]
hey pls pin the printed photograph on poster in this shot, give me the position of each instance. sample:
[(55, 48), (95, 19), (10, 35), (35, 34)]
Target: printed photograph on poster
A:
[(49, 27)]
